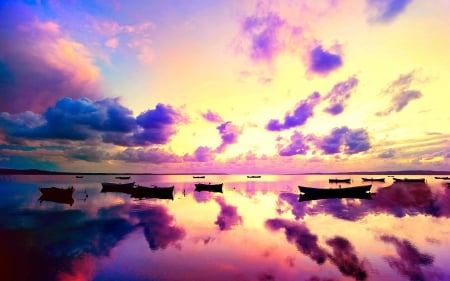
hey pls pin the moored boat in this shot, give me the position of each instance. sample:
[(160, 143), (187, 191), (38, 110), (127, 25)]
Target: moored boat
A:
[(409, 179), (79, 177), (198, 177), (153, 192), (332, 192), (373, 179), (442, 178), (56, 194), (117, 187), (253, 177), (209, 187), (310, 197), (123, 177), (340, 180)]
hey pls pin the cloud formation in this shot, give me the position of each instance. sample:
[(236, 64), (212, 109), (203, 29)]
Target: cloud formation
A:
[(212, 117), (296, 146), (228, 216), (56, 66), (401, 93), (384, 11), (229, 134), (345, 259), (201, 154), (344, 140), (323, 62), (105, 120), (302, 112), (340, 93)]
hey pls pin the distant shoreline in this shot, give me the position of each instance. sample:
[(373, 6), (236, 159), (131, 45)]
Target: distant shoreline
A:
[(44, 172)]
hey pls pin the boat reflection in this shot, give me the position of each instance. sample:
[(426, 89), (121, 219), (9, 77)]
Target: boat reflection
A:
[(156, 192), (208, 187), (310, 197)]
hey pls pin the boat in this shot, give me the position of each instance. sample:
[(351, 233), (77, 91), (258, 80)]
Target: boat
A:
[(332, 192), (79, 177), (339, 180), (117, 187), (409, 179), (253, 177), (442, 178), (123, 177), (311, 196), (198, 177), (209, 187), (56, 194), (153, 192), (373, 179)]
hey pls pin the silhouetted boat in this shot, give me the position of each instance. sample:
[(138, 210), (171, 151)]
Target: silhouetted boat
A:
[(123, 177), (56, 194), (153, 192), (442, 178), (373, 179), (339, 180), (208, 187), (409, 180), (79, 177), (333, 192), (309, 196), (117, 187), (198, 177), (253, 177)]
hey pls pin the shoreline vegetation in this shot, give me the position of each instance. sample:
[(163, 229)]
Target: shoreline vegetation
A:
[(45, 172)]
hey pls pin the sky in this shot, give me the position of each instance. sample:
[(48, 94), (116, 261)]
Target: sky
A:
[(218, 86)]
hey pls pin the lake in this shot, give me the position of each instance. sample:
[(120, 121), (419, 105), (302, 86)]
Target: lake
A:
[(256, 229)]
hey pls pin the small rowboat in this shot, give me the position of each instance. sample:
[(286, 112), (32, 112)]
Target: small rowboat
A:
[(153, 192), (409, 180), (198, 177), (442, 178), (56, 194), (123, 177), (209, 187), (344, 192), (373, 179), (253, 177), (340, 180)]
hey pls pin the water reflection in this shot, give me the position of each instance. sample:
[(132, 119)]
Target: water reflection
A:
[(254, 230)]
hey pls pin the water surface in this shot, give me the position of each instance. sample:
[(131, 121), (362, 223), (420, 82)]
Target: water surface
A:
[(257, 229)]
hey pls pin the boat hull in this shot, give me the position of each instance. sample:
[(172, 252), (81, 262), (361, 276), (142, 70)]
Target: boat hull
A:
[(340, 180), (117, 187), (209, 187), (409, 180), (157, 192), (58, 195), (373, 179)]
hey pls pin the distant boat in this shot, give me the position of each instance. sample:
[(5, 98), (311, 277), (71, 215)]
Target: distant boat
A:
[(340, 180), (79, 177), (117, 187), (253, 177), (373, 179), (153, 192), (56, 194), (442, 178), (209, 187), (333, 192), (409, 180), (123, 177), (198, 177)]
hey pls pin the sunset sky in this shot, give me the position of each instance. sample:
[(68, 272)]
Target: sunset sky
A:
[(225, 86)]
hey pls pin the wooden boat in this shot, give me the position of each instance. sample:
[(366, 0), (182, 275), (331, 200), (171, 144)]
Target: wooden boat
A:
[(344, 192), (153, 192), (253, 177), (198, 177), (373, 179), (409, 179), (117, 187), (209, 187), (123, 177), (340, 180), (442, 178), (56, 194)]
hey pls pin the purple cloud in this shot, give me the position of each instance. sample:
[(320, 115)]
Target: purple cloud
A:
[(339, 94), (303, 111), (297, 146), (400, 93), (229, 134), (344, 140), (322, 62), (201, 154), (211, 116), (151, 155), (345, 259), (410, 260), (33, 78), (228, 216), (386, 10), (83, 119), (390, 153), (299, 234), (262, 36)]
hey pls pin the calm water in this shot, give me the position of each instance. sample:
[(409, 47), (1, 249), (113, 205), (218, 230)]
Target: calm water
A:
[(257, 229)]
